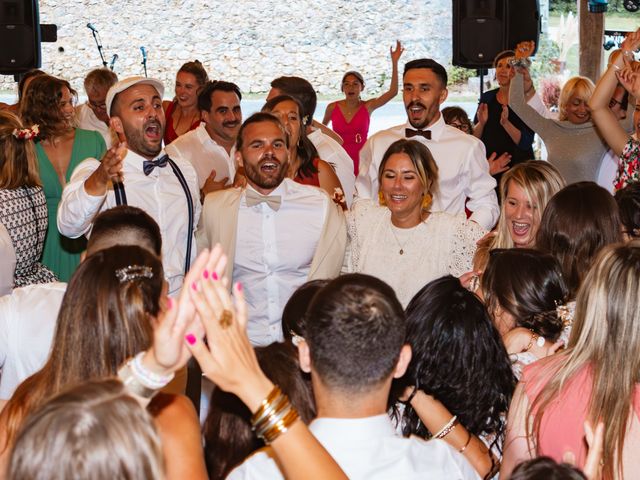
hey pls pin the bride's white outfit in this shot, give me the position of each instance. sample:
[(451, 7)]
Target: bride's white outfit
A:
[(409, 258)]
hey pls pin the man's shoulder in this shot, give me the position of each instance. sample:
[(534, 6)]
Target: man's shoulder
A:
[(40, 294), (222, 198), (393, 133)]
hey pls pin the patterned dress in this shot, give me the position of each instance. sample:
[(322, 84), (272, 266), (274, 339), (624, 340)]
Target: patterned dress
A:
[(23, 212), (629, 165)]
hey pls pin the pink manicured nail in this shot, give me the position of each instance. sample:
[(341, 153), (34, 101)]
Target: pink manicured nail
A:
[(214, 275), (239, 286), (194, 286), (205, 273), (190, 338)]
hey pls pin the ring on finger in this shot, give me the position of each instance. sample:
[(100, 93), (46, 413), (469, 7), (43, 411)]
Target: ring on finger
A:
[(226, 319)]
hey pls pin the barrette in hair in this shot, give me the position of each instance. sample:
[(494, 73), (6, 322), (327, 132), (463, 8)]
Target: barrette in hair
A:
[(26, 133), (133, 272), (564, 312), (295, 338)]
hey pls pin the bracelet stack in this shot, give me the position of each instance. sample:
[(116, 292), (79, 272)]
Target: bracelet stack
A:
[(141, 381), (450, 425), (274, 417)]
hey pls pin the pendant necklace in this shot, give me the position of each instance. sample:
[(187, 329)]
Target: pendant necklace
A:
[(395, 237)]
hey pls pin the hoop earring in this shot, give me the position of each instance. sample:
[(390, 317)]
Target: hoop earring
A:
[(381, 199)]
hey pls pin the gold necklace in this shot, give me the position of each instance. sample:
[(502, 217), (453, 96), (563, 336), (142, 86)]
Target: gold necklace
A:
[(395, 237)]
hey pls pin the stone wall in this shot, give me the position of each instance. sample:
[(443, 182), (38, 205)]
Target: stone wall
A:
[(249, 42)]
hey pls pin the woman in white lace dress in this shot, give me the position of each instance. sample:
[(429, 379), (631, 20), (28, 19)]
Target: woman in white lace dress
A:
[(401, 241)]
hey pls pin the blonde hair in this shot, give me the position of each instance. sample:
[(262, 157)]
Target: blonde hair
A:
[(605, 339), (18, 161), (540, 181), (582, 87), (93, 431)]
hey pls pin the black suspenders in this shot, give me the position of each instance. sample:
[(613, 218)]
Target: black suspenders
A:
[(121, 199)]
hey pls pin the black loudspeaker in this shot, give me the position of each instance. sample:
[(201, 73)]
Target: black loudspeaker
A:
[(19, 36), (484, 28)]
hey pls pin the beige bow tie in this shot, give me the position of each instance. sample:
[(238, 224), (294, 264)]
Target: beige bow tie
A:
[(254, 198)]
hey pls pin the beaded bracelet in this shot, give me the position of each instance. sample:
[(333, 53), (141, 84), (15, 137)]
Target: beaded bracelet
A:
[(274, 416), (450, 425), (145, 376), (132, 384)]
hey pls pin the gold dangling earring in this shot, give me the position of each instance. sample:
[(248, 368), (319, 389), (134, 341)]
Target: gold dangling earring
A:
[(426, 201), (381, 199)]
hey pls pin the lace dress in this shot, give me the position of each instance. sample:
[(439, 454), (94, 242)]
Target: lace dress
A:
[(23, 212), (441, 245)]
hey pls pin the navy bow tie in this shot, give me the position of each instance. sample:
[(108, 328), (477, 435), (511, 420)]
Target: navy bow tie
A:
[(408, 132), (149, 165)]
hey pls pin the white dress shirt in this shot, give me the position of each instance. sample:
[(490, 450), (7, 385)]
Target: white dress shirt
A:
[(274, 250), (332, 152), (463, 170), (8, 263), (87, 120), (27, 323), (159, 194), (202, 151), (608, 171), (370, 449)]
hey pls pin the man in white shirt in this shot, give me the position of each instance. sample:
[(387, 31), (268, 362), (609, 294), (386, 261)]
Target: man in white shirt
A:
[(92, 115), (28, 315), (463, 170), (277, 233), (210, 147), (353, 347), (328, 148), (136, 172)]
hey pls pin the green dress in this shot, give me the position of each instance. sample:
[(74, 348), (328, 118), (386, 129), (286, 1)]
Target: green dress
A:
[(62, 254)]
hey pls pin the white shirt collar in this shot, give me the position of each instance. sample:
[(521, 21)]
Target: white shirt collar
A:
[(353, 430), (437, 128)]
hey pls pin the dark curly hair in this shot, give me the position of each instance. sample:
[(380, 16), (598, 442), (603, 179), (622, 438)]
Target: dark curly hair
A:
[(458, 358), (528, 284), (41, 105)]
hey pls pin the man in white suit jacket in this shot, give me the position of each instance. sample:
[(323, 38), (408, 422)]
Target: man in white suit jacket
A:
[(277, 233)]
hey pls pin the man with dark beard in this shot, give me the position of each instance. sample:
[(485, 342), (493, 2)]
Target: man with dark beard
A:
[(277, 233), (210, 147), (463, 170), (136, 172)]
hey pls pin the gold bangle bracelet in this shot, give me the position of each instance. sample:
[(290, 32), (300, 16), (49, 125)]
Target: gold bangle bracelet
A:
[(266, 404)]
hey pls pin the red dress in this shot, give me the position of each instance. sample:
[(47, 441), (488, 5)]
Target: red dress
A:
[(353, 133), (169, 132), (312, 180)]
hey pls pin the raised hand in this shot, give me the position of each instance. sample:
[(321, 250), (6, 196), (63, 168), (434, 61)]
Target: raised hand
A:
[(397, 53), (504, 115), (228, 359), (179, 317), (499, 164), (631, 42), (525, 49)]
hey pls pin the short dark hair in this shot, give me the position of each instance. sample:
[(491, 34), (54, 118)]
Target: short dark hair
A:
[(295, 311), (301, 89), (432, 65), (546, 468), (205, 92), (628, 200), (26, 76), (260, 117), (576, 223), (449, 114), (355, 331), (528, 284), (458, 357), (122, 222)]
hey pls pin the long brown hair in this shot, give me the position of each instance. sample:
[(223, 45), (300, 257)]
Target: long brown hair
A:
[(18, 162), (103, 321), (41, 105), (605, 339)]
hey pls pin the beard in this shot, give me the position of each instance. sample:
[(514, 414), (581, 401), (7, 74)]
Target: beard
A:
[(137, 142), (264, 178)]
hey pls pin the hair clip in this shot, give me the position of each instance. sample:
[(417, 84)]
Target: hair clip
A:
[(133, 272), (26, 133), (295, 338)]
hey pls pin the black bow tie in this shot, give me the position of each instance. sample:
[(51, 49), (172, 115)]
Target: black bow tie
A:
[(408, 132), (149, 165)]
